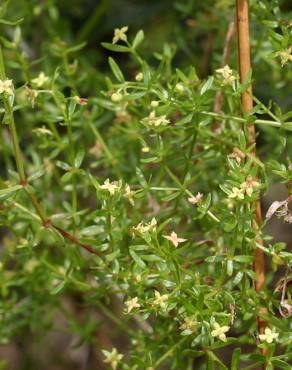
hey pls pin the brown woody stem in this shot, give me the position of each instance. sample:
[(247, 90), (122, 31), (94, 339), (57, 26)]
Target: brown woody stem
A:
[(244, 61)]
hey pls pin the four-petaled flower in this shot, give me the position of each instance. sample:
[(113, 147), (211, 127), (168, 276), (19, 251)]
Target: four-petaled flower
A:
[(120, 34), (131, 304), (227, 75), (111, 187), (269, 336), (40, 80), (160, 300), (219, 331), (285, 56), (189, 324), (237, 193), (194, 199), (174, 238), (112, 358), (6, 87)]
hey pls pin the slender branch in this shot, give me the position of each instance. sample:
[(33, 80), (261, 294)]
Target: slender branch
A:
[(21, 171), (244, 61), (219, 98)]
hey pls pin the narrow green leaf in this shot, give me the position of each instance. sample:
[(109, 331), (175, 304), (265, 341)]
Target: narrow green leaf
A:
[(235, 359), (138, 39), (117, 48), (207, 85), (116, 70), (7, 192)]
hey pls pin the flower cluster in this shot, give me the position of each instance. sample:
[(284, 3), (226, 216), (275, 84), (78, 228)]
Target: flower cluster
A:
[(247, 187), (156, 121), (6, 87), (226, 74), (285, 56), (143, 227)]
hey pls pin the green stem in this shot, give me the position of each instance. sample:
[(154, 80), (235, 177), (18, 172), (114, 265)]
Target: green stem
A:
[(285, 125), (169, 352), (16, 147)]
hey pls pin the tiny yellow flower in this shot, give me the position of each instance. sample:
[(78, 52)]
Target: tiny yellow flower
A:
[(112, 358), (156, 121), (131, 304), (195, 199), (120, 34), (143, 228), (139, 76), (145, 149), (154, 103), (249, 185), (189, 324), (269, 336), (285, 56), (219, 331), (6, 87), (111, 187), (179, 88), (129, 194), (40, 80), (116, 97), (173, 238), (160, 300), (226, 74), (236, 193)]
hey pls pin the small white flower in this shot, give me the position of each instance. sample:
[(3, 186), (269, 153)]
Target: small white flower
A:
[(131, 304), (145, 149), (156, 121), (174, 239), (249, 185), (219, 331), (236, 193), (226, 74), (129, 194), (195, 199), (6, 87), (285, 56), (40, 80), (160, 300), (154, 103), (179, 88), (189, 324), (143, 228), (269, 336), (116, 97), (111, 187), (112, 358), (120, 34), (139, 76)]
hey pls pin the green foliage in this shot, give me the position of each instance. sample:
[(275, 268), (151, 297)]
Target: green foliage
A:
[(118, 192)]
